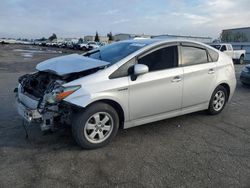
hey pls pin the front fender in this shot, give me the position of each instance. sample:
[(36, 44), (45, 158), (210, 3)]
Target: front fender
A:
[(85, 100)]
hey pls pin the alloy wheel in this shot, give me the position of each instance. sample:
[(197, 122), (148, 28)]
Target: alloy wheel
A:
[(219, 100), (98, 127)]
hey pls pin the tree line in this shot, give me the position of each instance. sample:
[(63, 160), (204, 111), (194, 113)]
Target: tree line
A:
[(97, 38)]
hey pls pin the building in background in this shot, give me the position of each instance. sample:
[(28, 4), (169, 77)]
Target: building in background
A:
[(122, 36), (88, 38), (194, 38), (236, 35), (126, 36), (239, 38)]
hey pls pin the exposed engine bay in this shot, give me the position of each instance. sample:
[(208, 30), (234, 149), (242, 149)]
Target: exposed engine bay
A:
[(42, 92)]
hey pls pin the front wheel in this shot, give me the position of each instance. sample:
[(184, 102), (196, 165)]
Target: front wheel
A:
[(218, 100), (95, 126)]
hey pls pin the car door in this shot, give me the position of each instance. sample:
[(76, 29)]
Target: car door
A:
[(160, 90), (199, 75), (229, 50)]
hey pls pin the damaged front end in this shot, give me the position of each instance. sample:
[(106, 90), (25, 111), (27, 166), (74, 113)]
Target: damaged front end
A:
[(39, 98), (40, 95)]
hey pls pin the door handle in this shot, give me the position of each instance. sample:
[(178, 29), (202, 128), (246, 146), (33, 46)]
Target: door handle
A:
[(211, 71), (176, 79)]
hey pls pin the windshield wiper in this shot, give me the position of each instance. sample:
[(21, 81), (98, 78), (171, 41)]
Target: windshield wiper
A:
[(100, 55), (91, 52), (87, 54)]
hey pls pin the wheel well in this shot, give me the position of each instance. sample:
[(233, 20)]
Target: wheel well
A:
[(117, 108), (242, 55), (226, 86)]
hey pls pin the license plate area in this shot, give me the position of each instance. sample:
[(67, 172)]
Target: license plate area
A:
[(28, 114)]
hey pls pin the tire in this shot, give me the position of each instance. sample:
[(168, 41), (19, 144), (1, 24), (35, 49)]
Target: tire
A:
[(216, 107), (96, 126), (241, 60)]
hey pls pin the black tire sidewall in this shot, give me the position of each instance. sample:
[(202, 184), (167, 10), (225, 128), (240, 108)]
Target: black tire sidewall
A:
[(80, 119), (211, 109), (241, 60)]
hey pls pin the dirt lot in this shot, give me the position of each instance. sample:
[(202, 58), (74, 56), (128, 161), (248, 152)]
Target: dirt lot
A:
[(195, 150)]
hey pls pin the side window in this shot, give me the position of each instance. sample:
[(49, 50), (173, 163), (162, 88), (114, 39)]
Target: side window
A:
[(163, 58), (193, 55), (223, 48)]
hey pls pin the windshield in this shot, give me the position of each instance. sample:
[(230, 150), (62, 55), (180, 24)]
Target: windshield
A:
[(115, 52), (216, 46)]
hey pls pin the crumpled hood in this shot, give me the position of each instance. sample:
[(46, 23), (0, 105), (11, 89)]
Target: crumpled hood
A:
[(69, 64)]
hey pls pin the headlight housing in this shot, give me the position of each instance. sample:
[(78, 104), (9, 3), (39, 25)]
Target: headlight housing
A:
[(61, 93)]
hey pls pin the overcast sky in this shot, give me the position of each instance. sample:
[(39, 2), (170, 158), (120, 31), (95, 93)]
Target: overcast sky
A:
[(76, 18)]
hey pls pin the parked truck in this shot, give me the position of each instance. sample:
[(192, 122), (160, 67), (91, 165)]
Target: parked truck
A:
[(237, 55)]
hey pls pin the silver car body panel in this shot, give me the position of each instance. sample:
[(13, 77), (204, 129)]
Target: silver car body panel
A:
[(144, 101), (69, 64)]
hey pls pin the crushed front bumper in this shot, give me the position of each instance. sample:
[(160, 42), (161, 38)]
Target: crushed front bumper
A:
[(27, 106), (27, 113)]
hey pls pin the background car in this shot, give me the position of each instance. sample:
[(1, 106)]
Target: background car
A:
[(237, 55), (92, 45), (245, 75), (89, 45)]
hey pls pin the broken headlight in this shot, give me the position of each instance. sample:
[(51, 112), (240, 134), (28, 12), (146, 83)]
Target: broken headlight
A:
[(61, 93)]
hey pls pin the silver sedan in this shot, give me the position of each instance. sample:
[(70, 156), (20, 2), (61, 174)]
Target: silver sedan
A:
[(125, 84)]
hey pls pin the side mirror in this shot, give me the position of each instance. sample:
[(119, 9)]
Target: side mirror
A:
[(140, 69)]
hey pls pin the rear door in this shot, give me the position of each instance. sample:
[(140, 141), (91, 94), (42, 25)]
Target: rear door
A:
[(199, 75)]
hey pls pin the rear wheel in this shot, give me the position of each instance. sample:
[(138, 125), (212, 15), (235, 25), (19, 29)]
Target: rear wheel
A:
[(95, 126), (218, 100)]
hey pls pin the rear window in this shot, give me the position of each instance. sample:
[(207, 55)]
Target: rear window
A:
[(192, 55), (223, 48)]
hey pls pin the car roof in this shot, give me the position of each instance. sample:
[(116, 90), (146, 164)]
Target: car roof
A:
[(160, 41), (140, 41)]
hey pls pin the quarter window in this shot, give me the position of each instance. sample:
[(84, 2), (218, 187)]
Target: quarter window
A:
[(123, 70), (163, 58), (193, 55), (213, 54)]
